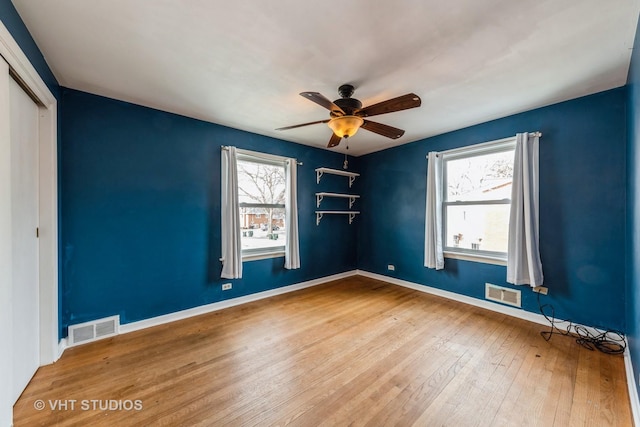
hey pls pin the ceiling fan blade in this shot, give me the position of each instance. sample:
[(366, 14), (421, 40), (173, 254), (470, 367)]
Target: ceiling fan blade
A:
[(335, 140), (304, 124), (384, 130), (404, 102), (319, 99)]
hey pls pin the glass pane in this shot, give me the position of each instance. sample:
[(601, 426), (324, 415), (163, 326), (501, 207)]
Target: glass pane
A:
[(259, 183), (478, 227), (262, 228), (483, 177)]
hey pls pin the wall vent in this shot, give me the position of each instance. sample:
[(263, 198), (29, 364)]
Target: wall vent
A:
[(503, 295), (94, 330)]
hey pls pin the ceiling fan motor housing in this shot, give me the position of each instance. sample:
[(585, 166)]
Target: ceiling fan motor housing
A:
[(349, 105)]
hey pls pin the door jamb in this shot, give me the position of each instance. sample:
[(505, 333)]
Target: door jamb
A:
[(50, 349)]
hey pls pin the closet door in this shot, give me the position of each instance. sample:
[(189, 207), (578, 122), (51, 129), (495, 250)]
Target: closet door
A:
[(24, 222)]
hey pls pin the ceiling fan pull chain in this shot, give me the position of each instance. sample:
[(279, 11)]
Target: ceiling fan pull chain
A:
[(346, 162)]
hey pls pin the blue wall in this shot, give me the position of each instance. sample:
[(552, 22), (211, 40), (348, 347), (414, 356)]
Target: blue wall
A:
[(141, 212), (633, 210), (582, 218)]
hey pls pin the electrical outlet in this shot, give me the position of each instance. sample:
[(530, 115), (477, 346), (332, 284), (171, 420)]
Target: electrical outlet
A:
[(391, 267), (226, 286), (541, 290)]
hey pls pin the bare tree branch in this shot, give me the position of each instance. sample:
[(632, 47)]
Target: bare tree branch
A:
[(262, 184)]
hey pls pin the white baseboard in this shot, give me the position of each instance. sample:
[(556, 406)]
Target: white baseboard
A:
[(62, 346), (184, 314), (633, 388)]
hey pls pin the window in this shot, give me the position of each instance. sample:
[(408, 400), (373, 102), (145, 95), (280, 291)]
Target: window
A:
[(476, 199), (261, 200)]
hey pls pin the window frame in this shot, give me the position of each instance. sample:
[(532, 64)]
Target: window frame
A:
[(477, 255), (268, 160)]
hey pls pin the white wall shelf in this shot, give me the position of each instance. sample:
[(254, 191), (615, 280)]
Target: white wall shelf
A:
[(352, 175), (352, 198), (352, 215)]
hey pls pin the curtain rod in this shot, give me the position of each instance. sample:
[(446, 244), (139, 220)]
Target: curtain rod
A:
[(226, 148), (480, 145)]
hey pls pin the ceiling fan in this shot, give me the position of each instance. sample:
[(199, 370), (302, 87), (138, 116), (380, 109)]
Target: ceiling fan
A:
[(347, 114)]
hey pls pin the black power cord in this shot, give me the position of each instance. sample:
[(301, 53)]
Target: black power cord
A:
[(609, 342)]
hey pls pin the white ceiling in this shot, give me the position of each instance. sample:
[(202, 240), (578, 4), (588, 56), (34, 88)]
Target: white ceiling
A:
[(242, 63)]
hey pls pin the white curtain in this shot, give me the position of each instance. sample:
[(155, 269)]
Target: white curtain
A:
[(523, 257), (433, 256), (292, 249), (230, 215)]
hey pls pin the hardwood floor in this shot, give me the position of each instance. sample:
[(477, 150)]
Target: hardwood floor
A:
[(352, 352)]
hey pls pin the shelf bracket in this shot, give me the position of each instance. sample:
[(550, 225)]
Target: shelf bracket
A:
[(318, 200), (318, 175), (318, 217), (351, 179), (351, 216), (352, 200)]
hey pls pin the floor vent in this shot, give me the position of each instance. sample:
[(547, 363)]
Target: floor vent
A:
[(92, 331), (503, 295)]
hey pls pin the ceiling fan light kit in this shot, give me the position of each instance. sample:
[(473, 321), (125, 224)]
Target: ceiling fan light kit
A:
[(345, 126), (347, 114)]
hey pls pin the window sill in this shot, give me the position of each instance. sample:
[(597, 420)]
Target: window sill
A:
[(476, 258), (262, 255)]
